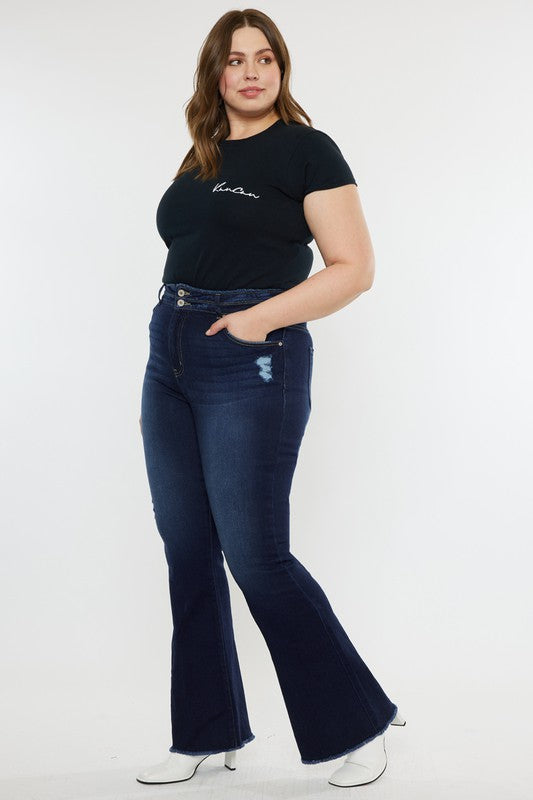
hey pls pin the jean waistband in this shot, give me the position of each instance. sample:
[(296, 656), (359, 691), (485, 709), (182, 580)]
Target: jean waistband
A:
[(183, 294)]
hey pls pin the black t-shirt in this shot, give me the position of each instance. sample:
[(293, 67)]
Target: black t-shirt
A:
[(246, 228)]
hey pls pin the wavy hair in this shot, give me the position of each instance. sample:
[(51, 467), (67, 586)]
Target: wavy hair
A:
[(205, 111)]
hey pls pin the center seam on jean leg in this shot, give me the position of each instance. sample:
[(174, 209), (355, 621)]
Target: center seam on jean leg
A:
[(359, 693), (221, 631)]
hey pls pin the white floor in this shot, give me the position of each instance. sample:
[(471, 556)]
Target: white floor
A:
[(460, 743)]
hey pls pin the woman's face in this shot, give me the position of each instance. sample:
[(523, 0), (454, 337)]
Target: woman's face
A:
[(250, 64)]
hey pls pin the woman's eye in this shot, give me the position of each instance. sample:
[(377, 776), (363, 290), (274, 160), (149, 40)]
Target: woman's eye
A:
[(265, 58)]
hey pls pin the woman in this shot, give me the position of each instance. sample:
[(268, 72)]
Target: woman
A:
[(226, 399)]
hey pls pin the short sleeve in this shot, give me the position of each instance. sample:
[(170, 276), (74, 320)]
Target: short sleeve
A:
[(318, 163)]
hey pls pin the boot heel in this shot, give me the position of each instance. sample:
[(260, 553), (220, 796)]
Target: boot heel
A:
[(230, 759), (398, 719)]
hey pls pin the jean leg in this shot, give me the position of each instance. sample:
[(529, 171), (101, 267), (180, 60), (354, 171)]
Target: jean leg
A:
[(208, 708), (250, 430)]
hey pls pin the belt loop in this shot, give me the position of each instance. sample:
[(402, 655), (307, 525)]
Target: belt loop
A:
[(159, 293)]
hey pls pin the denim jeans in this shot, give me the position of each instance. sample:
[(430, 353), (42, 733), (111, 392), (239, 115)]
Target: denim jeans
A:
[(222, 421)]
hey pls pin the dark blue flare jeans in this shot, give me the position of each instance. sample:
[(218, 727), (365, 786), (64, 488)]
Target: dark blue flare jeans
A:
[(222, 421)]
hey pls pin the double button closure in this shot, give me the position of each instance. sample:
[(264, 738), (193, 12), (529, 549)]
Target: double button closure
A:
[(181, 302)]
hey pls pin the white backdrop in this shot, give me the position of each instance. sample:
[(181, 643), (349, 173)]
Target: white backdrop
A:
[(411, 502)]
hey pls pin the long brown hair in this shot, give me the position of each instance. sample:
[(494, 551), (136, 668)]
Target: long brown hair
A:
[(205, 112)]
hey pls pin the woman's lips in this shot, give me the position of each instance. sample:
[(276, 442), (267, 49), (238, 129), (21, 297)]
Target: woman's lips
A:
[(250, 92)]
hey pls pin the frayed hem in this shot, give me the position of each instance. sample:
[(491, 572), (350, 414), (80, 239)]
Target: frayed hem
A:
[(353, 747), (173, 749)]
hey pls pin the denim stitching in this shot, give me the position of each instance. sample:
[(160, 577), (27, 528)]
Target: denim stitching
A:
[(181, 323), (174, 345), (171, 330), (220, 628)]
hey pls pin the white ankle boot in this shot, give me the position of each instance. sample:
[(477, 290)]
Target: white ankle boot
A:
[(398, 719), (366, 763), (181, 767)]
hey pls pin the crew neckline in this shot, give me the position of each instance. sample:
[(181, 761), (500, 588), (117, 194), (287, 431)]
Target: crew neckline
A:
[(253, 136)]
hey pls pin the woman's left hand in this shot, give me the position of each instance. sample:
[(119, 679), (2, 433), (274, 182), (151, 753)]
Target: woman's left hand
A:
[(241, 324)]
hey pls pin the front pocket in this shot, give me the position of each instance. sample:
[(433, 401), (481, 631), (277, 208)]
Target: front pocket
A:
[(248, 342)]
